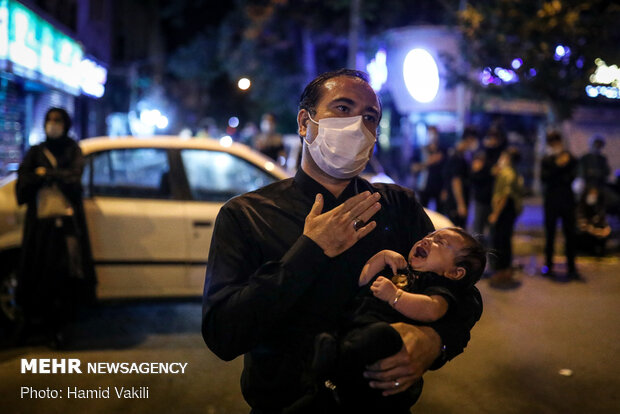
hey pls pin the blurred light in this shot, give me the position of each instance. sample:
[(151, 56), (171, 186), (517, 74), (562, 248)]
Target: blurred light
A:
[(591, 91), (605, 75), (561, 52), (93, 78), (498, 76), (377, 69), (421, 75), (269, 166), (610, 92), (532, 72), (162, 122), (486, 77), (153, 118), (226, 141), (233, 122), (244, 84), (516, 63), (579, 63)]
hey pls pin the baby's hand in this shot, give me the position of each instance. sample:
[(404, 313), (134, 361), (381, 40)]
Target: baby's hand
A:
[(384, 289), (394, 260)]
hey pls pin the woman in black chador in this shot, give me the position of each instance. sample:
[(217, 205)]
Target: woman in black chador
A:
[(56, 271)]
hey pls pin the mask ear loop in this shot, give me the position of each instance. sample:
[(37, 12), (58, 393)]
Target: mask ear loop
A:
[(304, 137)]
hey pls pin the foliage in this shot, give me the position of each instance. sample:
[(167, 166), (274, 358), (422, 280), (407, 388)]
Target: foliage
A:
[(495, 33), (279, 44)]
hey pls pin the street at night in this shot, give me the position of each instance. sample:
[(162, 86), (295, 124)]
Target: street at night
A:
[(196, 190), (545, 347)]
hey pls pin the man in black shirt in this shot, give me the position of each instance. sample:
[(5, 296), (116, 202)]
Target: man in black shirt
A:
[(285, 259), (456, 180), (558, 169)]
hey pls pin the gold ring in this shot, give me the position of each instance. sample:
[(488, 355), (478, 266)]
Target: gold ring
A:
[(358, 223)]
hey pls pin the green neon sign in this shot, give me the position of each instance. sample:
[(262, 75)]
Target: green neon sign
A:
[(36, 49)]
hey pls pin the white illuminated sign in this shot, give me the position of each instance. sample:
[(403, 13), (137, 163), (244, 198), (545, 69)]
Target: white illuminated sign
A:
[(421, 75)]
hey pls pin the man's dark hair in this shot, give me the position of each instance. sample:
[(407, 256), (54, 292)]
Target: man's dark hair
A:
[(597, 141), (66, 119), (470, 131), (314, 90), (472, 257)]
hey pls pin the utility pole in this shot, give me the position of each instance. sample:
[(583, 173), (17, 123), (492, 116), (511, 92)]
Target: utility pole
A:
[(355, 23)]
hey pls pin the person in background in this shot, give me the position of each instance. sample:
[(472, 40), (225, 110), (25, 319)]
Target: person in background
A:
[(285, 260), (506, 205), (593, 230), (56, 271), (557, 172), (455, 195), (593, 166), (483, 170), (268, 141), (428, 170)]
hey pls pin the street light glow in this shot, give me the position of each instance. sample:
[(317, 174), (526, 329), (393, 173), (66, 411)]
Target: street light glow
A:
[(244, 84), (421, 75)]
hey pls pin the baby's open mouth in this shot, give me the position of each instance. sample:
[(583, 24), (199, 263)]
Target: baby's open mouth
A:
[(420, 252)]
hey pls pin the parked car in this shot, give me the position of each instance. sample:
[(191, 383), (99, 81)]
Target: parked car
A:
[(150, 208), (375, 173)]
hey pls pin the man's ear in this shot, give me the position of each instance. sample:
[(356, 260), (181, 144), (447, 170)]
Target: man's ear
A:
[(302, 122), (456, 273)]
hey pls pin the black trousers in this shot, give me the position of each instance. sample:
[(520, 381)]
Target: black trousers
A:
[(501, 236), (563, 210)]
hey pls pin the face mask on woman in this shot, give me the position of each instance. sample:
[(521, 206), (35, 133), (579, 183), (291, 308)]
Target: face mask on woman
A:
[(342, 146), (54, 130)]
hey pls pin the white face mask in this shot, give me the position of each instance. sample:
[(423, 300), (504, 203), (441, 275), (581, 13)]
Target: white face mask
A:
[(54, 130), (342, 146)]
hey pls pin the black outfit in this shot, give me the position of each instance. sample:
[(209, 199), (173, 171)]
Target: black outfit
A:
[(56, 269), (269, 289), (482, 183), (270, 144), (591, 215), (594, 169), (559, 203), (368, 337), (501, 236), (456, 167), (432, 179)]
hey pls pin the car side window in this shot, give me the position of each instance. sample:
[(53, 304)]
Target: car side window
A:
[(131, 173), (219, 176)]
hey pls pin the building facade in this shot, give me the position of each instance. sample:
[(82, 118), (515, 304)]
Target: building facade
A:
[(52, 53)]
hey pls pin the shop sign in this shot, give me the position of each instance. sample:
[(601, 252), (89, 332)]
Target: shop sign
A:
[(32, 48)]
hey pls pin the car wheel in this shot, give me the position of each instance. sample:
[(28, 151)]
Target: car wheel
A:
[(8, 288)]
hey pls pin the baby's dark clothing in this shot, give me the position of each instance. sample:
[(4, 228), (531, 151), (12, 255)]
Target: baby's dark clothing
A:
[(367, 337)]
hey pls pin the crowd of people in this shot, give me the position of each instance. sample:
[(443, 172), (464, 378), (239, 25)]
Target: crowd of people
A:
[(481, 173)]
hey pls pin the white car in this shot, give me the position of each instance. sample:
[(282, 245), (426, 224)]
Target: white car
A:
[(150, 207)]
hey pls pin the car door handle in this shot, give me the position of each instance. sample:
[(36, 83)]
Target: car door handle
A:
[(207, 223)]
